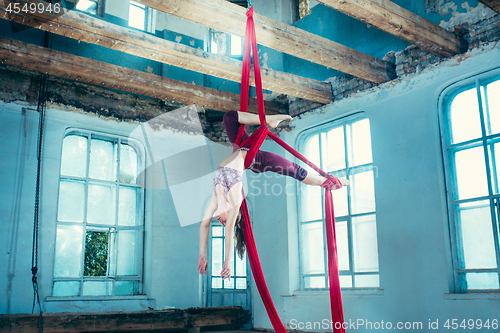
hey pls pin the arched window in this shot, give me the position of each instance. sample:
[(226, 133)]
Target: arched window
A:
[(342, 148), (470, 125), (100, 217)]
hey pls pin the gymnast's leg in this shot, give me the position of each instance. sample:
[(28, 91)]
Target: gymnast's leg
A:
[(266, 161), (234, 119)]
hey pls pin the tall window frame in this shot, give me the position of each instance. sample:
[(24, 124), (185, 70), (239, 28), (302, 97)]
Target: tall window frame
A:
[(87, 228), (355, 210), (470, 137)]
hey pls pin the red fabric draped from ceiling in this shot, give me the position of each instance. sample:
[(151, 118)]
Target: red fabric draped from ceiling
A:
[(254, 142)]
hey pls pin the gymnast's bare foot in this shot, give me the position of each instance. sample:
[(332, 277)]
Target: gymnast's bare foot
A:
[(274, 120), (333, 183)]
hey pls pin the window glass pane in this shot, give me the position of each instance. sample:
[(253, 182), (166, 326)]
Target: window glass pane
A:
[(359, 143), (74, 156), (236, 45), (101, 204), (311, 149), (491, 107), (481, 280), (342, 245), (216, 282), (112, 254), (217, 231), (312, 203), (314, 282), (96, 288), (241, 283), (96, 253), (66, 288), (340, 201), (128, 164), (475, 227), (213, 47), (470, 173), (136, 16), (345, 281), (362, 193), (127, 253), (464, 117), (333, 146), (312, 248), (128, 206), (68, 259), (241, 265), (365, 248), (217, 255), (71, 201), (87, 6), (126, 288), (102, 160), (366, 281), (228, 284)]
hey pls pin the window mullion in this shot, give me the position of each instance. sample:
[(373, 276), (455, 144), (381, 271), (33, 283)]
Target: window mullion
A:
[(494, 169), (489, 178), (323, 220), (350, 242), (85, 206)]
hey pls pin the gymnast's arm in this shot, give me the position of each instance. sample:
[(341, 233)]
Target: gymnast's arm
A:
[(235, 200), (204, 231)]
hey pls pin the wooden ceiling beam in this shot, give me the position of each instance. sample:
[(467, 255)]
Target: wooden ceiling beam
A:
[(397, 21), (493, 4), (77, 25), (230, 18), (39, 59)]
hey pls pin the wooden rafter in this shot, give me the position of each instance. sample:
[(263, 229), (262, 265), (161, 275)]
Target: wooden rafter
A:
[(397, 21), (230, 18), (92, 30), (493, 4), (68, 66)]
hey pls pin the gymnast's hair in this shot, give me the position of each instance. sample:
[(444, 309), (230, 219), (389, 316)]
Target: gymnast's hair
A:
[(238, 235)]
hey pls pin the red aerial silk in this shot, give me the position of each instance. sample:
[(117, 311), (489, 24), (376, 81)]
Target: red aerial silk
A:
[(254, 142)]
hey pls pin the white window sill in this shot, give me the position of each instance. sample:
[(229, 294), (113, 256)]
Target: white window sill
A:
[(347, 292), (95, 298), (466, 296)]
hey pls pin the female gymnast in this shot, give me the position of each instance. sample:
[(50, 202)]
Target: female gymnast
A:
[(227, 194)]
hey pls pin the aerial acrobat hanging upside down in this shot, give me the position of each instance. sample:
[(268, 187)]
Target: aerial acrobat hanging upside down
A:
[(227, 186)]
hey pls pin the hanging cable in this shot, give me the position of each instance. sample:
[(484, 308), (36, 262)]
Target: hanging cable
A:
[(42, 96), (34, 256)]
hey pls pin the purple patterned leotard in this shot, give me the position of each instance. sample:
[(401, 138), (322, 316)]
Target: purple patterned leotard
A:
[(227, 177)]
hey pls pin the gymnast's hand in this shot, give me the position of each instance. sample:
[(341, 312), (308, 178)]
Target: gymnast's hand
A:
[(226, 270), (202, 264)]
